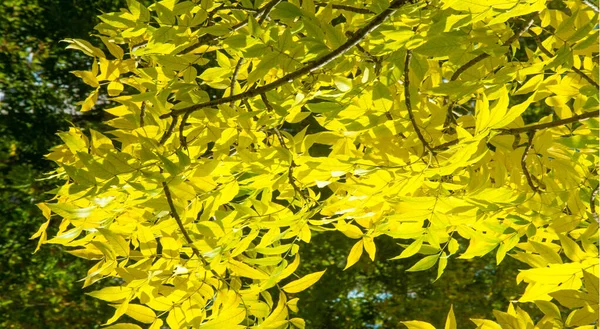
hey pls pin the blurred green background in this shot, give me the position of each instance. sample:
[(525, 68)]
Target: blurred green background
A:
[(42, 290)]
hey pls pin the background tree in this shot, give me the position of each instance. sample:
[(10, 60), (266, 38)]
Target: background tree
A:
[(37, 96)]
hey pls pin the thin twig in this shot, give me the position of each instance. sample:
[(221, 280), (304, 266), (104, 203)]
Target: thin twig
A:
[(265, 100), (264, 12), (142, 113), (170, 130), (185, 233), (346, 8), (208, 38), (549, 54), (182, 138), (234, 77), (190, 242), (291, 178), (483, 56), (426, 145), (532, 128), (575, 118), (591, 5), (524, 164), (593, 204), (251, 10), (307, 69), (446, 145)]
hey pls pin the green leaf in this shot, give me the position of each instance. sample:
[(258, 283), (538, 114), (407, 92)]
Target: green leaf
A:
[(425, 263)]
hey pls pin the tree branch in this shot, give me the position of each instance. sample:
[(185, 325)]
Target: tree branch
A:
[(185, 233), (593, 204), (549, 54), (190, 242), (307, 69), (483, 56), (524, 163), (234, 77), (170, 130), (182, 138), (408, 103), (575, 118), (591, 5), (264, 12), (207, 38), (142, 113), (532, 128), (346, 8)]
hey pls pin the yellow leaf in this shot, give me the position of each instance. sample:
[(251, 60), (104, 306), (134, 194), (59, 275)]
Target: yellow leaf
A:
[(290, 269), (115, 88), (303, 283), (355, 254), (417, 325), (119, 311), (242, 269), (298, 323), (229, 318), (141, 313), (450, 320), (123, 326), (571, 249), (119, 245), (370, 247), (412, 249), (111, 294)]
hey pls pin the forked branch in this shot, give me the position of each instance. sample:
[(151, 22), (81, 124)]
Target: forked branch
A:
[(483, 56), (549, 54), (307, 69)]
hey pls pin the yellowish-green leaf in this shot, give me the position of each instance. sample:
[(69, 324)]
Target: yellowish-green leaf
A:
[(303, 283), (355, 254), (425, 263)]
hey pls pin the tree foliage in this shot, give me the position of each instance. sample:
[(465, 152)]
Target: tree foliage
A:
[(404, 119)]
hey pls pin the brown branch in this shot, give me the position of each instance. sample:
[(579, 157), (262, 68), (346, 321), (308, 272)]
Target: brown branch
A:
[(593, 204), (346, 8), (142, 113), (291, 178), (575, 118), (207, 38), (307, 69), (445, 145), (251, 10), (483, 56), (591, 5), (234, 77), (264, 12), (549, 54), (408, 103), (533, 128), (190, 242), (170, 130), (182, 138), (265, 100), (524, 164), (185, 233)]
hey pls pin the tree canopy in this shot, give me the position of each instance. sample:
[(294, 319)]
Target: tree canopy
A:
[(241, 130)]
